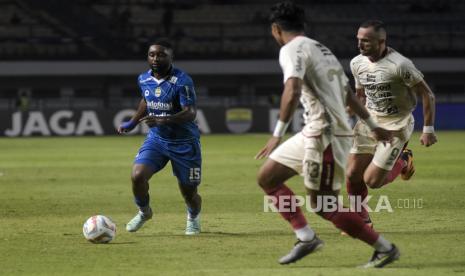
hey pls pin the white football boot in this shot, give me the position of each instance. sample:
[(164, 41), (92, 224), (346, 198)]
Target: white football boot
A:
[(136, 222)]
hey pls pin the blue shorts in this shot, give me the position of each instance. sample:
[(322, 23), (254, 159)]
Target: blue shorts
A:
[(186, 159)]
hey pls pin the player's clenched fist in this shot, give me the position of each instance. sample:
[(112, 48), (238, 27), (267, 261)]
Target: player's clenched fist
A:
[(126, 126), (428, 139)]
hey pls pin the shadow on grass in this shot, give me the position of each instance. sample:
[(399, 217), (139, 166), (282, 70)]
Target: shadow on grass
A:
[(210, 234), (456, 266), (425, 232), (120, 243), (110, 243), (284, 232)]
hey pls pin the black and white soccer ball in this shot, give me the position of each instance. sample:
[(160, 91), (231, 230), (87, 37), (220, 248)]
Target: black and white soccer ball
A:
[(99, 229)]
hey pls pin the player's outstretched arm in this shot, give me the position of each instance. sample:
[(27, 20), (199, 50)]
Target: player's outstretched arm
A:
[(422, 89), (131, 124), (289, 102), (187, 114), (356, 106)]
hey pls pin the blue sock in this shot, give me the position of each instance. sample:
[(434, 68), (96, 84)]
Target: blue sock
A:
[(193, 212), (142, 202)]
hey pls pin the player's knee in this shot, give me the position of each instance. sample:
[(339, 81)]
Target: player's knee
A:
[(138, 177), (189, 193), (264, 179)]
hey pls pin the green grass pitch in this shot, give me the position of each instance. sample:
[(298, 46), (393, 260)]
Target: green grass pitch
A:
[(50, 186)]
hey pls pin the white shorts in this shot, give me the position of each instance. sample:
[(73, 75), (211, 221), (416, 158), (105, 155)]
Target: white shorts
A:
[(384, 156), (320, 160)]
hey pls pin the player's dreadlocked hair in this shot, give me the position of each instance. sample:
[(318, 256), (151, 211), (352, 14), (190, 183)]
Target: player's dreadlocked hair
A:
[(288, 16)]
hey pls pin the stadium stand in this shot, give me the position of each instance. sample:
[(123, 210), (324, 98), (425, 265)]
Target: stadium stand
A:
[(56, 36), (121, 29)]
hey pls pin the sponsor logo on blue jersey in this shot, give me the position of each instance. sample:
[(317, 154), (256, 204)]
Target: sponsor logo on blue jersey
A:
[(160, 105)]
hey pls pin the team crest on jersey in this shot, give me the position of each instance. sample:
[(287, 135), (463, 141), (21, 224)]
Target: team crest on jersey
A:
[(157, 92), (173, 79), (146, 92), (407, 75)]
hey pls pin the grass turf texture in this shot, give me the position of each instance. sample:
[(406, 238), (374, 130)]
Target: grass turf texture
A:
[(50, 186)]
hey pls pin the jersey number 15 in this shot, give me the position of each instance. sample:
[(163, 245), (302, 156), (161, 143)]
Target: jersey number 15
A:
[(194, 174)]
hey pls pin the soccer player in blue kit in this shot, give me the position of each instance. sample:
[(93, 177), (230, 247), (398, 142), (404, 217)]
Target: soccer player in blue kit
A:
[(168, 108)]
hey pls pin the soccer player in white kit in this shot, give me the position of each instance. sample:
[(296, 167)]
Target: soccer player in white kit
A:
[(319, 152), (389, 83)]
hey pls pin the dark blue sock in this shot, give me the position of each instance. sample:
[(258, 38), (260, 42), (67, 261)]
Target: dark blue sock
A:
[(193, 212), (142, 202)]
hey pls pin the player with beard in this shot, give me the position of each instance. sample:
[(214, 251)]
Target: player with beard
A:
[(389, 84)]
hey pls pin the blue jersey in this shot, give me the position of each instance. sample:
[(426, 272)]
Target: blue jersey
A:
[(167, 98)]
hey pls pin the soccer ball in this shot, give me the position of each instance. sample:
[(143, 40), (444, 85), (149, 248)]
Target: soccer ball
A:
[(99, 229)]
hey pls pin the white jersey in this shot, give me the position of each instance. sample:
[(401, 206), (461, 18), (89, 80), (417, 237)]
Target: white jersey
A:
[(387, 84), (323, 91)]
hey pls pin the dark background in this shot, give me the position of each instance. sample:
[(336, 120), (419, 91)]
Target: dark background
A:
[(86, 55)]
